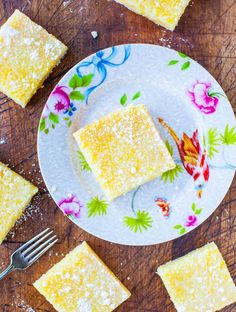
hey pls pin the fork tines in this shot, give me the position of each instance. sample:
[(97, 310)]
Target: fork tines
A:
[(38, 245)]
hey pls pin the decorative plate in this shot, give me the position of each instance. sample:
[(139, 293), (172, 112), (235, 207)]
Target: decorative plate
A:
[(194, 117)]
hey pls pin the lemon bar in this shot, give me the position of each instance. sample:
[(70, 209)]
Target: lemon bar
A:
[(199, 281), (28, 53), (81, 282), (124, 150), (15, 195), (166, 13)]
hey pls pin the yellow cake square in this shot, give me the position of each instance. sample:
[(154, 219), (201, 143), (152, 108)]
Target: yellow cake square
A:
[(81, 282), (166, 13), (15, 195), (124, 150), (199, 281), (28, 53)]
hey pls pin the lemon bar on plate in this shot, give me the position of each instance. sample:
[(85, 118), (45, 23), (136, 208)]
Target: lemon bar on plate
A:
[(15, 195), (28, 53), (162, 12), (82, 282), (199, 281), (124, 150)]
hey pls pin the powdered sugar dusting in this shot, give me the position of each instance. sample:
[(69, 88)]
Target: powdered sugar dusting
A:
[(31, 210), (34, 64), (128, 140), (8, 31), (84, 305), (82, 281)]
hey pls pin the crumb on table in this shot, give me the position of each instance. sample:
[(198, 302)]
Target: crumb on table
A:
[(94, 34)]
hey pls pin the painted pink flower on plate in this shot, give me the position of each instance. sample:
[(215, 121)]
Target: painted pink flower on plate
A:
[(59, 101), (191, 221), (203, 98), (70, 206)]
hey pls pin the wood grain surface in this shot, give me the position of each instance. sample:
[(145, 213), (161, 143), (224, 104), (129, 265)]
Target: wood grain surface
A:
[(206, 32)]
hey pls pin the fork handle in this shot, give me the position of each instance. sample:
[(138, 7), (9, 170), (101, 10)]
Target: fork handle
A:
[(9, 269)]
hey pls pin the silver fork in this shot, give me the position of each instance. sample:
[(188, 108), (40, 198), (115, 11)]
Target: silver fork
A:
[(30, 252)]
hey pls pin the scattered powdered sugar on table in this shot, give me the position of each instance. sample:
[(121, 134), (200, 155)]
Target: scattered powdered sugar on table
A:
[(50, 253), (66, 3), (173, 41), (24, 306), (2, 265), (32, 208), (28, 2), (3, 141)]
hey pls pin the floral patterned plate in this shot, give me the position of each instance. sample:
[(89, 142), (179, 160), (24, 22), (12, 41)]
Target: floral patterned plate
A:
[(195, 120)]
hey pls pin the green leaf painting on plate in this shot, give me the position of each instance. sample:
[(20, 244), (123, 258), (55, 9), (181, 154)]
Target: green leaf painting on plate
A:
[(142, 221), (169, 147), (54, 118), (97, 207), (76, 95), (171, 175), (214, 139), (79, 82), (213, 142), (83, 162), (75, 82), (191, 220), (124, 98), (42, 124), (185, 65), (180, 228), (196, 210), (86, 80), (184, 61), (229, 136), (136, 96), (173, 62), (181, 54)]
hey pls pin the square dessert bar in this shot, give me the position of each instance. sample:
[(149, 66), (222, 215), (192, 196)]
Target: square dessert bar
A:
[(124, 150), (166, 13), (82, 282), (199, 281), (15, 195), (28, 53)]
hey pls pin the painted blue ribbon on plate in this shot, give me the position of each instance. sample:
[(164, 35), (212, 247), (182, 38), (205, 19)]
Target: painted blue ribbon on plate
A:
[(99, 62)]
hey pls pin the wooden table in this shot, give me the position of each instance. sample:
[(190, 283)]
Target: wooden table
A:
[(207, 32)]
